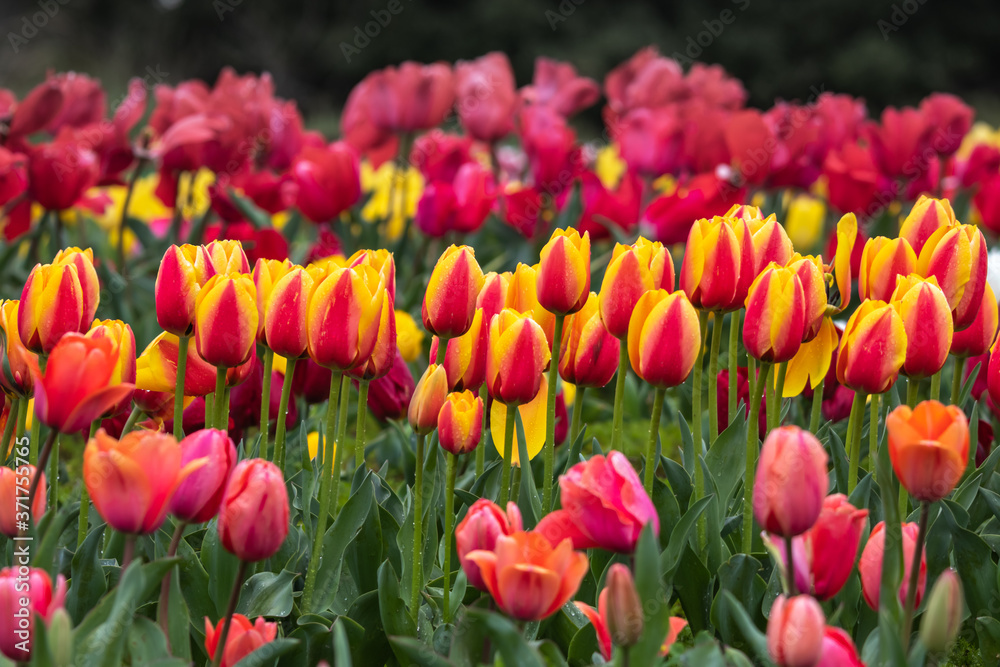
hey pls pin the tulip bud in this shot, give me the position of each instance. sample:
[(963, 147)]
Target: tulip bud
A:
[(770, 242), (197, 498), (664, 338), (929, 448), (516, 359), (60, 635), (428, 397), (226, 257), (882, 261), (327, 179), (838, 649), (460, 422), (795, 631), (493, 296), (926, 217), (710, 273), (409, 337), (633, 271), (589, 354), (36, 596), (564, 272), (943, 616), (384, 264), (253, 517), (809, 271), (344, 316), (465, 357), (389, 396), (243, 639), (619, 604), (978, 336), (956, 256), (13, 496), (870, 565), (51, 305), (226, 320), (15, 374), (284, 316), (483, 523), (183, 270), (872, 348), (791, 481), (775, 321), (522, 296), (383, 355), (927, 322), (450, 299), (266, 274)]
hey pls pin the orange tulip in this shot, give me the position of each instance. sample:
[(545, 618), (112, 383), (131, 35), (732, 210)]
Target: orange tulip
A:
[(563, 276), (882, 261), (927, 322), (15, 377), (956, 256), (132, 480), (253, 517), (465, 358), (529, 578), (183, 270), (872, 349), (284, 316), (633, 271), (428, 397), (929, 448), (710, 273), (266, 274), (776, 315), (124, 340), (383, 262), (664, 336), (811, 276), (226, 319), (77, 386), (227, 256), (589, 354), (977, 338), (343, 320), (450, 299), (522, 296), (516, 358), (13, 499), (460, 422), (51, 305), (926, 217), (243, 639)]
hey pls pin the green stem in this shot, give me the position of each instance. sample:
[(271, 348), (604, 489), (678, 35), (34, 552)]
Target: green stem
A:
[(182, 354), (508, 448), (418, 529), (654, 431), (265, 403), (209, 410), (757, 389), (133, 417), (616, 424), (935, 386), (574, 427), (911, 590), (696, 419), (220, 420), (36, 435), (22, 417), (956, 380), (713, 381), (481, 450), (164, 605), (449, 518), (234, 597), (550, 421), (789, 567), (53, 475), (326, 478), (734, 349), (42, 460), (360, 439), (13, 414), (817, 406), (515, 484), (873, 422), (279, 430), (442, 350), (84, 523), (339, 445), (854, 444), (912, 392), (774, 419)]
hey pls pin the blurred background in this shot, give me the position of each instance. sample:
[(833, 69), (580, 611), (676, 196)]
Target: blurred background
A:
[(886, 52)]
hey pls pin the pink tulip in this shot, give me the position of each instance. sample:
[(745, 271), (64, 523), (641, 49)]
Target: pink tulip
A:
[(791, 482), (870, 565), (838, 649), (479, 530), (22, 596), (197, 498), (795, 631)]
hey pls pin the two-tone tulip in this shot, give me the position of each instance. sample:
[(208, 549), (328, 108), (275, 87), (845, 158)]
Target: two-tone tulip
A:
[(460, 422), (522, 296), (197, 498), (872, 348), (977, 338), (266, 274), (882, 261), (710, 273), (516, 359), (775, 320), (664, 337), (226, 319), (132, 480), (428, 398), (633, 271), (450, 299), (926, 217), (51, 305), (123, 339), (15, 376), (156, 368), (383, 356), (253, 515), (465, 357), (928, 447), (493, 296), (956, 256), (90, 286), (343, 318), (479, 530), (589, 354), (870, 565), (791, 482), (284, 316), (563, 275), (809, 271), (227, 256), (770, 242), (183, 270), (748, 260), (927, 322), (383, 262)]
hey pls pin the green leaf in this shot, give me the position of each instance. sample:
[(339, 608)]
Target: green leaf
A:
[(50, 532), (341, 648), (730, 610), (726, 458), (693, 583), (179, 620), (418, 652), (146, 644), (373, 646), (105, 644), (740, 577), (267, 594), (988, 631), (529, 498), (654, 597), (667, 509), (974, 561), (343, 531), (395, 618), (679, 538), (221, 566), (266, 654), (87, 576), (506, 636), (584, 647)]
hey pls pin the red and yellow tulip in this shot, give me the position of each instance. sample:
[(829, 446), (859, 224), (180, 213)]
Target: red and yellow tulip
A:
[(343, 318), (460, 422), (226, 319), (563, 274), (776, 317), (872, 348), (710, 273), (977, 338), (428, 397), (266, 274), (664, 336), (522, 296), (882, 261), (589, 354), (465, 358), (450, 299), (227, 256), (633, 271), (183, 270), (517, 357), (956, 256), (284, 315), (926, 217), (927, 322), (16, 356)]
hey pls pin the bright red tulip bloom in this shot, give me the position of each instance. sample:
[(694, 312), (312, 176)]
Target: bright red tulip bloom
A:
[(949, 120), (197, 498), (328, 181), (253, 517), (61, 171), (898, 140), (411, 97), (557, 85), (977, 338), (461, 205), (791, 482), (664, 337), (870, 565), (243, 639), (182, 273), (853, 178)]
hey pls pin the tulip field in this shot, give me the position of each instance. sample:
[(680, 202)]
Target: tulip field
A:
[(461, 386)]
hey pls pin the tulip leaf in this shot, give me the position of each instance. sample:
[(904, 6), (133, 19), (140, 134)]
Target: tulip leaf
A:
[(507, 639), (562, 626), (679, 480), (372, 647), (266, 654), (729, 610), (974, 562), (418, 652), (667, 509), (254, 215), (738, 576), (193, 581), (670, 558), (654, 596), (267, 594), (550, 653), (395, 618), (687, 445), (339, 536), (840, 463), (583, 647), (693, 584), (221, 567), (102, 641), (50, 531), (528, 498), (988, 631), (365, 553), (179, 620), (146, 644), (727, 458), (967, 386), (88, 582)]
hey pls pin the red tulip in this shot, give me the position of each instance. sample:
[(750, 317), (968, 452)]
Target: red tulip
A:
[(556, 85), (61, 171), (243, 639), (791, 482), (197, 498), (13, 500), (852, 177), (411, 96), (485, 96), (461, 205), (253, 517), (328, 181), (24, 594), (870, 565), (898, 141), (949, 119), (838, 649)]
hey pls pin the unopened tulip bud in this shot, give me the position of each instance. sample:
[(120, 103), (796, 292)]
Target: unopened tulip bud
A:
[(633, 271), (450, 298), (870, 565), (428, 397), (943, 617), (775, 321), (60, 636), (791, 481), (345, 312), (226, 319), (882, 261), (872, 348), (956, 256), (197, 498), (710, 273), (253, 517), (266, 274), (516, 359), (620, 605), (564, 272), (926, 217), (795, 631), (460, 422), (928, 324), (664, 338), (809, 271), (284, 318), (183, 271), (589, 354)]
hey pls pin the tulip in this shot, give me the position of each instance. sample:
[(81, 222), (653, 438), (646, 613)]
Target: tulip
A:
[(872, 349), (226, 256), (603, 505), (123, 339), (929, 448), (824, 555), (15, 377), (977, 338), (450, 298), (852, 176), (927, 322), (926, 217), (328, 181), (183, 270), (459, 205), (266, 274), (838, 649), (776, 317), (633, 271), (90, 286), (156, 368), (770, 241), (600, 628), (460, 422), (465, 357), (663, 338), (285, 313), (411, 96), (479, 530), (589, 354), (243, 638), (428, 398), (197, 498), (677, 625), (485, 96), (795, 631), (12, 488), (342, 320), (956, 256), (253, 516), (493, 295), (27, 589), (517, 357), (534, 419), (943, 618), (870, 565), (882, 261), (563, 276), (619, 604), (898, 140), (809, 271), (522, 296), (61, 171), (710, 274), (226, 320), (409, 336), (51, 305), (383, 262), (528, 577), (791, 482), (389, 396)]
